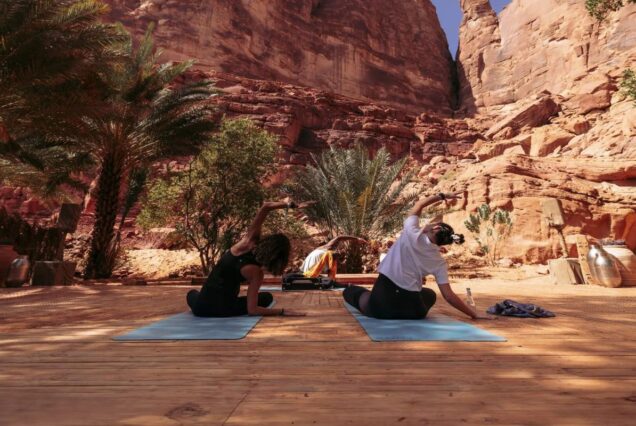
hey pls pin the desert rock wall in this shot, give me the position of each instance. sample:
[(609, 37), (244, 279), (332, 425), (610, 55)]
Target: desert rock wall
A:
[(537, 45), (390, 52)]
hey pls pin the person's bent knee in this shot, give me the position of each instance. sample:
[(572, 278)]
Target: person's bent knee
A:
[(429, 297), (191, 298), (349, 295), (352, 295)]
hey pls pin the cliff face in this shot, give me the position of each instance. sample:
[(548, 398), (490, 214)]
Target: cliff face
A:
[(539, 84), (538, 45), (367, 49), (542, 79)]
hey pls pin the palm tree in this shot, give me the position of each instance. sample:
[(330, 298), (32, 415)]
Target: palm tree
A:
[(75, 93), (51, 55), (146, 115), (355, 194)]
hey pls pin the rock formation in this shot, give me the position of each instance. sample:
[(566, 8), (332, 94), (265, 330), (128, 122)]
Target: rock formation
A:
[(547, 147), (540, 45), (541, 111), (542, 79), (365, 49)]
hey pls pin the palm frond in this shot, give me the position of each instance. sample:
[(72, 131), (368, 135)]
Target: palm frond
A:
[(355, 194)]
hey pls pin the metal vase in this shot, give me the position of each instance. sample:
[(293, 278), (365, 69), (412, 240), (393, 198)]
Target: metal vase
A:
[(603, 267), (19, 272)]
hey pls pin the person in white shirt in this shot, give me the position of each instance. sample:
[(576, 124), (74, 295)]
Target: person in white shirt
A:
[(323, 260), (398, 292)]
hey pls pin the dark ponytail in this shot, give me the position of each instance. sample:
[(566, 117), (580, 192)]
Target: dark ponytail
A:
[(272, 252), (446, 235)]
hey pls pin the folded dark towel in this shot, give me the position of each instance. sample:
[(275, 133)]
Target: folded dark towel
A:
[(511, 308)]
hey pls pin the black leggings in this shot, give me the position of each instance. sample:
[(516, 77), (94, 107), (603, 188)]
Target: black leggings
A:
[(388, 301), (221, 307)]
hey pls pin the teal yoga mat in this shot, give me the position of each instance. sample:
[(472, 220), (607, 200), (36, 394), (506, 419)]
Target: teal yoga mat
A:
[(186, 326), (434, 328)]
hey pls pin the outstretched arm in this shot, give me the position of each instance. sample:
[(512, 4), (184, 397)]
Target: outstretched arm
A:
[(333, 244), (416, 210), (254, 231), (457, 303), (254, 276)]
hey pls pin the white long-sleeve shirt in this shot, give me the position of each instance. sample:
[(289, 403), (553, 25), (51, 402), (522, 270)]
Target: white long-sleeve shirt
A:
[(413, 257)]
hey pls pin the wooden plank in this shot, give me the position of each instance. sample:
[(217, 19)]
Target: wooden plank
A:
[(582, 248), (578, 368), (561, 271), (552, 212)]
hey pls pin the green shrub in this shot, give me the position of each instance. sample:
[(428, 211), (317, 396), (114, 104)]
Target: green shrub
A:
[(600, 8), (490, 228), (628, 84), (216, 197), (355, 195)]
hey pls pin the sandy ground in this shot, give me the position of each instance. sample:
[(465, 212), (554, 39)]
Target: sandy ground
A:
[(157, 263)]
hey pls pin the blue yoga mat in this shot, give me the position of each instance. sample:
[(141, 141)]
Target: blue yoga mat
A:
[(438, 327), (186, 326)]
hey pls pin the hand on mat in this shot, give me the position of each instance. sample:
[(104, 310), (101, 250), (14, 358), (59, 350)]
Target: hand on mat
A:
[(484, 317), (292, 313)]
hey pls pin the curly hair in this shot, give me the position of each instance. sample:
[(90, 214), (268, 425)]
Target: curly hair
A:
[(446, 235), (272, 252)]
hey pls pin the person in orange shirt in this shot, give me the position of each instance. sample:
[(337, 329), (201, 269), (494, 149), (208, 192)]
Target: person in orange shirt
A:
[(323, 260)]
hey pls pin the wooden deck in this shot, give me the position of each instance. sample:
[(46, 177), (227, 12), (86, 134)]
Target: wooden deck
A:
[(59, 366)]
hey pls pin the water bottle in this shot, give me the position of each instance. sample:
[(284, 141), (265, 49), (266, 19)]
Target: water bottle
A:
[(469, 298)]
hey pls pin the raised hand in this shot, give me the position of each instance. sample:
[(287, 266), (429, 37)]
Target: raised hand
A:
[(306, 204), (448, 197), (453, 195)]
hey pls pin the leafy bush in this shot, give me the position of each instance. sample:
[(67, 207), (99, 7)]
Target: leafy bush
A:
[(490, 228), (216, 197), (600, 8), (355, 195), (628, 84)]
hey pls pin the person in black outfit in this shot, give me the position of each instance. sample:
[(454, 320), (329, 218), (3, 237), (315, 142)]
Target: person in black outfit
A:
[(245, 261)]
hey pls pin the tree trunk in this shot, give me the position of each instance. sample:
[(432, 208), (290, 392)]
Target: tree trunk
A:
[(4, 133), (352, 263), (101, 257)]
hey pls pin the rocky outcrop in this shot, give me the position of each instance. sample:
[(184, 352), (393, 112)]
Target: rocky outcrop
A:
[(365, 49), (541, 45), (309, 120), (587, 162), (592, 193), (529, 114), (24, 202)]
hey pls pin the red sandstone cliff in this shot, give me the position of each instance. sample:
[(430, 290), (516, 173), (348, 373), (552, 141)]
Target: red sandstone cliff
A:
[(540, 84), (393, 52), (538, 45)]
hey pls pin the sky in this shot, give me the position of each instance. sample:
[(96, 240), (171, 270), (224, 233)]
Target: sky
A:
[(450, 16)]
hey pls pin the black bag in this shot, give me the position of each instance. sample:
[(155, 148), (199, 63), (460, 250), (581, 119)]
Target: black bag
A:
[(297, 282)]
